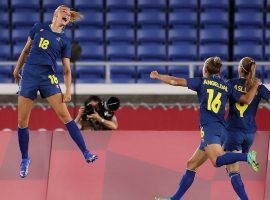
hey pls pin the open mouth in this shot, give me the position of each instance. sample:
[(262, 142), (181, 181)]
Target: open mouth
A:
[(64, 19)]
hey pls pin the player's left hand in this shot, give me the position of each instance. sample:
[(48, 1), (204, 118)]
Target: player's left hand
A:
[(67, 97), (95, 116)]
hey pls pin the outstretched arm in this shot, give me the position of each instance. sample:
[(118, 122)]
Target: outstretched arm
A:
[(171, 80), (248, 97)]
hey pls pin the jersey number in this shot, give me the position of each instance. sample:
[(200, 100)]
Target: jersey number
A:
[(53, 79), (213, 103), (241, 108), (43, 43)]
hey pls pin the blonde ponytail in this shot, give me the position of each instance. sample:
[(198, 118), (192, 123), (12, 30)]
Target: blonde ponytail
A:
[(75, 16)]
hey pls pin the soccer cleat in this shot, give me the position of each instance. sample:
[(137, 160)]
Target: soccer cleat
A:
[(161, 198), (90, 158), (24, 167), (251, 159)]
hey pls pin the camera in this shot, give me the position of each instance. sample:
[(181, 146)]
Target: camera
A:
[(88, 110), (108, 107)]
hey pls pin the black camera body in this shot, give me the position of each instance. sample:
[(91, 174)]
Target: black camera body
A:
[(88, 110)]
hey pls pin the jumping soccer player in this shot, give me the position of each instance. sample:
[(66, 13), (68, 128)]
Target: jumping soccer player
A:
[(213, 93), (241, 123), (46, 43)]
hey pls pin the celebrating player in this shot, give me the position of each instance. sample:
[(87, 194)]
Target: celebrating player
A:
[(213, 93), (241, 123), (46, 43)]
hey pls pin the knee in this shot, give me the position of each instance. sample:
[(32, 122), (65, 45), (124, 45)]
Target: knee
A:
[(22, 123), (191, 164)]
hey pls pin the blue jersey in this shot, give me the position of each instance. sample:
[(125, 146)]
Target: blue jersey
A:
[(242, 116), (213, 93), (47, 46)]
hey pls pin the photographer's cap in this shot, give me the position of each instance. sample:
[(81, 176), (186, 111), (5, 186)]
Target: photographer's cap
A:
[(112, 104)]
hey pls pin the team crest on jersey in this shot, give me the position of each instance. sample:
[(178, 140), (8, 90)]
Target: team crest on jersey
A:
[(41, 30), (58, 39)]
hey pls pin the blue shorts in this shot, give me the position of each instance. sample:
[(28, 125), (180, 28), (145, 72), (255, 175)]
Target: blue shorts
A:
[(211, 134), (38, 78), (237, 140)]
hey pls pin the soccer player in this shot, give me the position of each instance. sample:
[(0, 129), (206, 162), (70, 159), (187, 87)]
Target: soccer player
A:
[(46, 43), (213, 93), (241, 123)]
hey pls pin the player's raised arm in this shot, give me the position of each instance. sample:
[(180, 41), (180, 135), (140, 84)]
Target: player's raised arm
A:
[(248, 97), (171, 80)]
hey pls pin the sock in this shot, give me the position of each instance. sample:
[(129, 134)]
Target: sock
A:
[(23, 136), (76, 135), (185, 183), (238, 185), (230, 158)]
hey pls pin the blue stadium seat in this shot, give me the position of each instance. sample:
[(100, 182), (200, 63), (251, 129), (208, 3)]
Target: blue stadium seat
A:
[(267, 52), (20, 34), (4, 18), (180, 18), (120, 35), (120, 18), (4, 36), (92, 18), (90, 34), (253, 50), (209, 50), (23, 18), (17, 49), (151, 52), (123, 74), (151, 35), (214, 35), (268, 19), (6, 74), (150, 18), (268, 4), (220, 18), (120, 4), (212, 4), (90, 74), (267, 35), (182, 52), (244, 19), (92, 51), (47, 17), (120, 51), (3, 4), (182, 35), (151, 4), (144, 72), (30, 4), (53, 4), (179, 71), (183, 4), (5, 53), (248, 35), (93, 4), (249, 4)]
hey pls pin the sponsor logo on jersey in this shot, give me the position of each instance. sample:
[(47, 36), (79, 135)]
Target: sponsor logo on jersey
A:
[(41, 30), (58, 39)]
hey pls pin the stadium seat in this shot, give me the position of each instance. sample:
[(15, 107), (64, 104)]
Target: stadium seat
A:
[(214, 35), (179, 71), (30, 4), (180, 18), (151, 52), (214, 17), (123, 74), (120, 4), (183, 4), (120, 35), (17, 49), (182, 35), (92, 51), (6, 74), (253, 50), (249, 4), (120, 52), (268, 19), (268, 4), (182, 52), (120, 18), (144, 72), (93, 4), (5, 53), (4, 36), (248, 35), (90, 74), (209, 50), (4, 19), (151, 35), (47, 17), (3, 4), (90, 34), (25, 18), (212, 4), (20, 34), (267, 35), (152, 18), (151, 4), (92, 18), (53, 4), (244, 19), (267, 52)]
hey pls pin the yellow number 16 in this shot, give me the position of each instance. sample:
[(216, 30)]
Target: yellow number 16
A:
[(53, 79), (213, 103)]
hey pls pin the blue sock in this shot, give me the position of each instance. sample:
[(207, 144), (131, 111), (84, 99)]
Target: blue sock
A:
[(23, 136), (185, 183), (238, 185), (230, 158), (76, 135)]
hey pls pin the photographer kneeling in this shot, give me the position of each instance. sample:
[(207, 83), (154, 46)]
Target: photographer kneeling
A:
[(97, 114)]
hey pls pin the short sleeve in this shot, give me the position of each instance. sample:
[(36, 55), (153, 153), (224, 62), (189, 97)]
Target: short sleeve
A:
[(194, 83), (66, 50), (233, 94), (33, 30), (264, 92)]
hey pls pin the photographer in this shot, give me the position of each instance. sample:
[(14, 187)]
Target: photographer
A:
[(98, 115)]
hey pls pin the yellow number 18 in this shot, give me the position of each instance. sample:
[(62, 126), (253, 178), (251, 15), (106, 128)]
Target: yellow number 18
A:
[(213, 103), (43, 43)]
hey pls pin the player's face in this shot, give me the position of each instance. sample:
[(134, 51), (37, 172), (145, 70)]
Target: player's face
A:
[(63, 16)]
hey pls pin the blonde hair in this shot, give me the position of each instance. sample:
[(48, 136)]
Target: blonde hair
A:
[(74, 16)]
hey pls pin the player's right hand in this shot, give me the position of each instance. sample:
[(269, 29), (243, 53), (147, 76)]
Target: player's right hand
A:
[(17, 76), (154, 74)]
